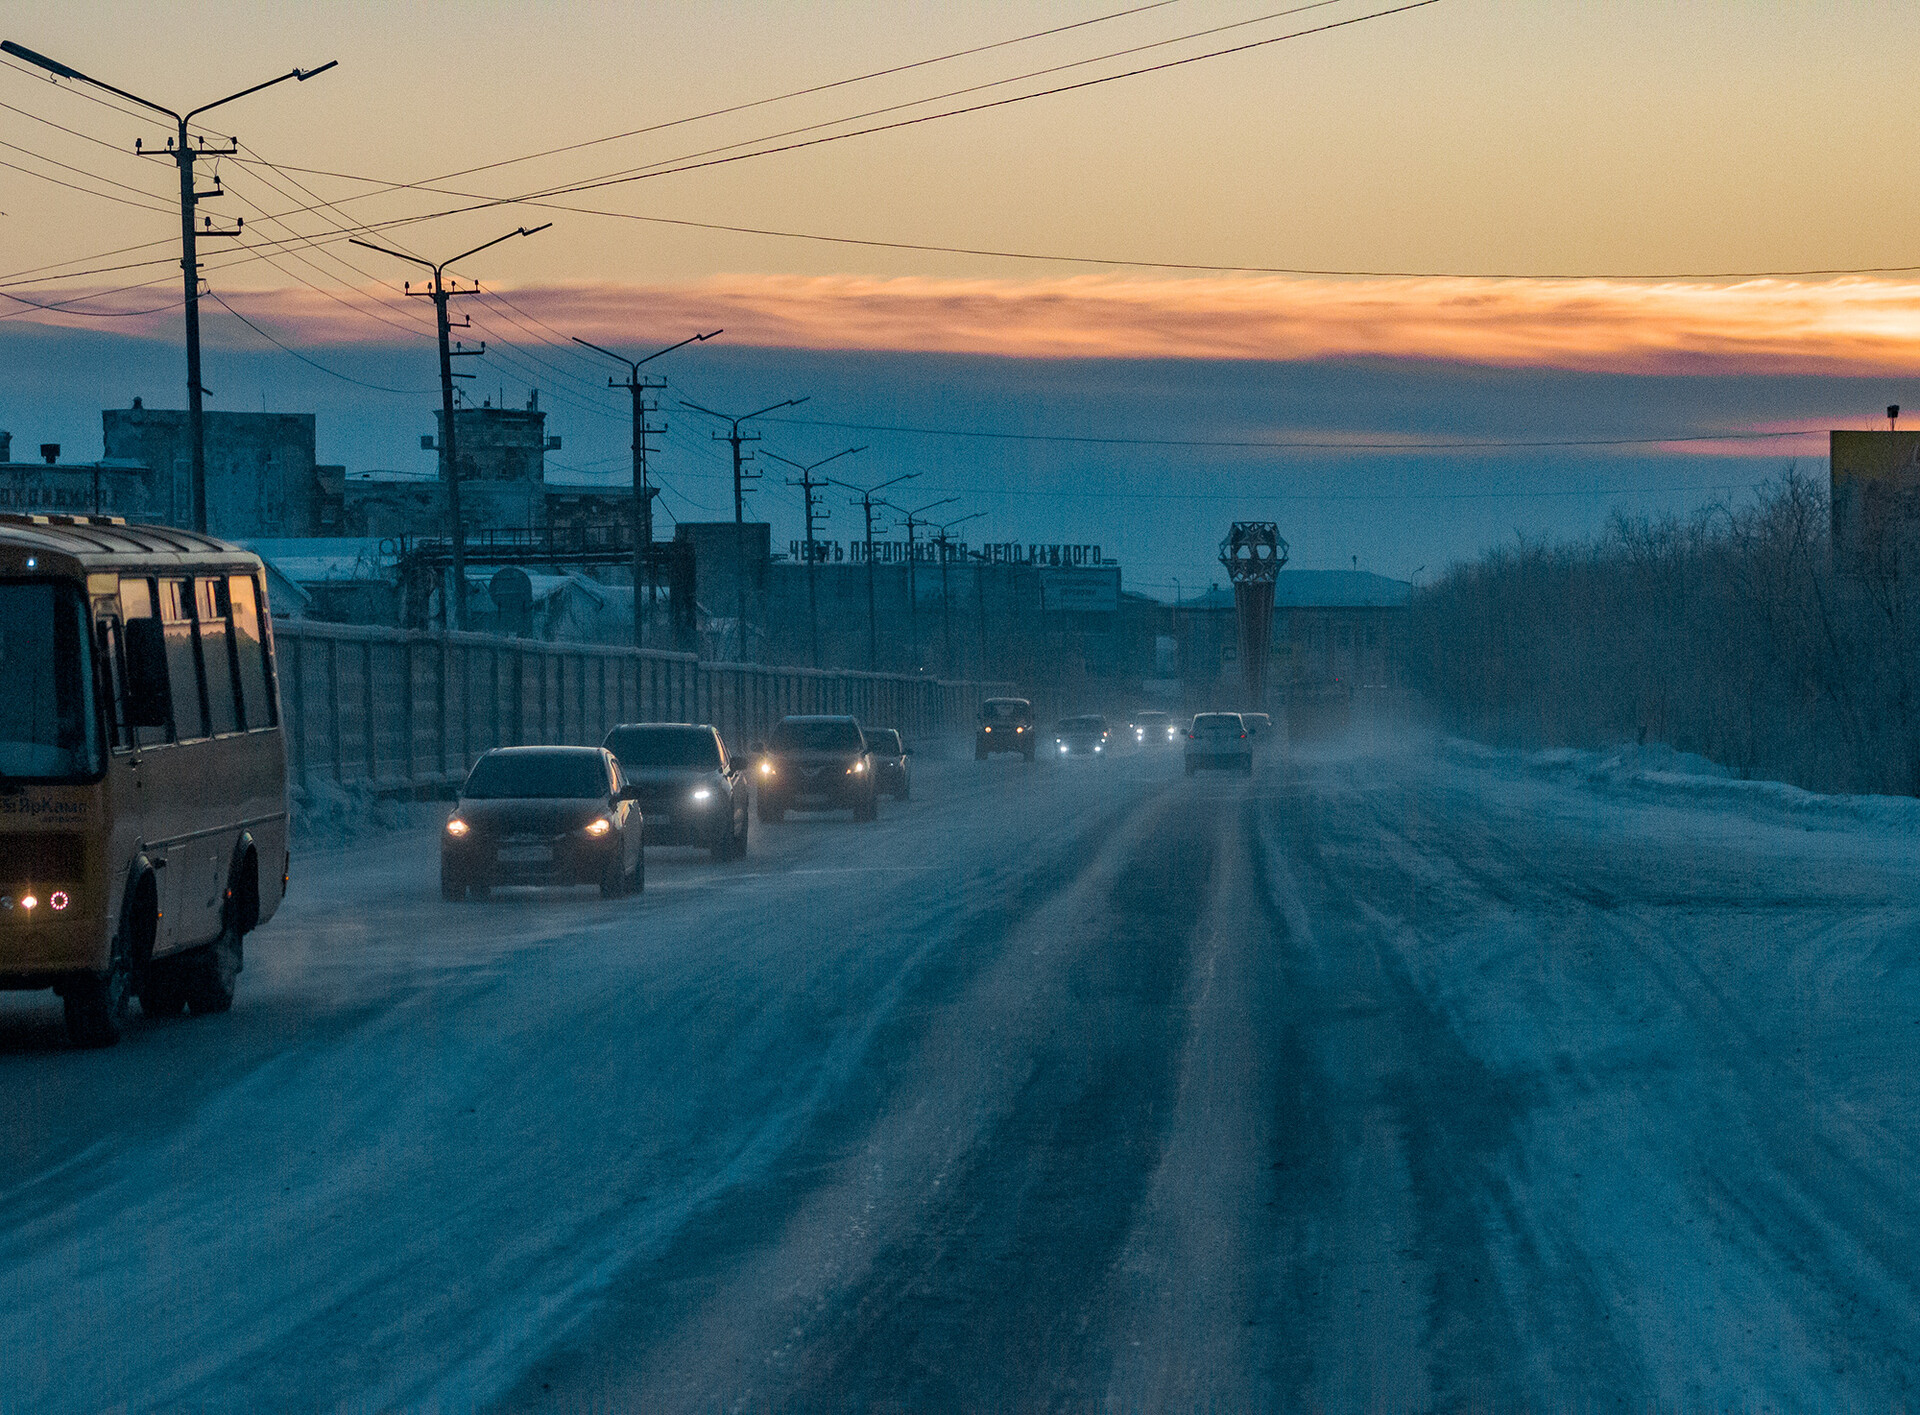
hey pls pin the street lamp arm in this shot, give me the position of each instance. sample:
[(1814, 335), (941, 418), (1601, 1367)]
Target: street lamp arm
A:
[(397, 255), (522, 231), (692, 339), (708, 411), (974, 516), (617, 358), (771, 407), (59, 70), (302, 75)]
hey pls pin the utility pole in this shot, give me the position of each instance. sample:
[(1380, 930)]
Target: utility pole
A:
[(736, 437), (913, 583), (980, 604), (809, 488), (946, 600), (184, 154), (643, 494), (439, 293), (867, 503)]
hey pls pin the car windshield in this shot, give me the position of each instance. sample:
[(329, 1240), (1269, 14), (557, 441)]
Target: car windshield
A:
[(665, 747), (799, 734), (1004, 710), (1218, 722), (46, 713), (1081, 724), (562, 775), (1150, 719), (883, 740)]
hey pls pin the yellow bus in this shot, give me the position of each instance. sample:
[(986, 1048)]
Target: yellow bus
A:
[(143, 770)]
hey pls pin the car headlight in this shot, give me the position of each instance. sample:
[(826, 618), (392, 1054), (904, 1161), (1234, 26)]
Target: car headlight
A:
[(986, 729), (1063, 746), (702, 793), (457, 827), (766, 768), (856, 769), (1019, 729), (1099, 746), (599, 827)]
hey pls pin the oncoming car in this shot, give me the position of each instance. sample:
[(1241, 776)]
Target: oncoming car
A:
[(1219, 739), (1006, 725), (544, 815), (1085, 736), (815, 764), (689, 789), (889, 758), (1154, 729)]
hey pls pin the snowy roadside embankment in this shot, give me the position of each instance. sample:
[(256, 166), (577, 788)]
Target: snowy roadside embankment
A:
[(1660, 774)]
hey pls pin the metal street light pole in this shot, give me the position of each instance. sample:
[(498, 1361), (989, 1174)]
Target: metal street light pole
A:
[(913, 583), (946, 601), (449, 443), (184, 154), (866, 502), (807, 485), (642, 493), (736, 437)]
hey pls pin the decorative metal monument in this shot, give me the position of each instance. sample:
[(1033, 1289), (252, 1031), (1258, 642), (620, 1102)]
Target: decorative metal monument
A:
[(1253, 554)]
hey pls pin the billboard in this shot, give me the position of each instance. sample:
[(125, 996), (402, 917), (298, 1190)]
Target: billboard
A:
[(1081, 591)]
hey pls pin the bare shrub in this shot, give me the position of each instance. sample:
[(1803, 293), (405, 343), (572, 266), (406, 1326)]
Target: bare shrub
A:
[(1727, 633)]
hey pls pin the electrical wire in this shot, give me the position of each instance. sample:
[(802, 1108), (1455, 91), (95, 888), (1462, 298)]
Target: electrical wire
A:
[(1290, 446), (311, 363), (62, 307)]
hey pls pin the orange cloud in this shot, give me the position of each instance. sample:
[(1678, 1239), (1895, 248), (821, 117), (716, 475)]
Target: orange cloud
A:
[(1849, 326)]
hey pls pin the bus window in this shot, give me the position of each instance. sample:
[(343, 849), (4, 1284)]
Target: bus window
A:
[(183, 675), (112, 681), (136, 602), (216, 657), (251, 651)]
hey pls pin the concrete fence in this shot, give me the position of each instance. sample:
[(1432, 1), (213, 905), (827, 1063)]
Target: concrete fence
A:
[(398, 711)]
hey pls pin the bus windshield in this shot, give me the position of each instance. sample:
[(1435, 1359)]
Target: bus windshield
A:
[(46, 711)]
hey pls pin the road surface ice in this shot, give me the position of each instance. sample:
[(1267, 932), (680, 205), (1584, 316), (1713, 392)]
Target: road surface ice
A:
[(1414, 1076)]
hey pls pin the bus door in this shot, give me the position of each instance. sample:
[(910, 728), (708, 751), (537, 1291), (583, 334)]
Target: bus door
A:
[(173, 770), (124, 798)]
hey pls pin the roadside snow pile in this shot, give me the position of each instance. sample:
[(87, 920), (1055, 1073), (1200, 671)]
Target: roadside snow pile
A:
[(327, 814), (1659, 773)]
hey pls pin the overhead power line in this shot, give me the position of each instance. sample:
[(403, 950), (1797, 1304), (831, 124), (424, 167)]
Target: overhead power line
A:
[(1479, 445), (795, 93), (311, 363)]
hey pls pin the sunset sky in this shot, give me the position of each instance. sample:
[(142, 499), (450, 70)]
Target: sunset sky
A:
[(1737, 157)]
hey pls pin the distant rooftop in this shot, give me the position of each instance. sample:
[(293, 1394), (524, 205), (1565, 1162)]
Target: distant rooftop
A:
[(1318, 589)]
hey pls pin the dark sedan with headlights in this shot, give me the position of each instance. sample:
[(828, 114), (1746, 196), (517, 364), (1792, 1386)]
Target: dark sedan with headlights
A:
[(815, 764), (1085, 736), (889, 757), (544, 815), (691, 790)]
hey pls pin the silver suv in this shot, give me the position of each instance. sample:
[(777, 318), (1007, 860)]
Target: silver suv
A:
[(1219, 739)]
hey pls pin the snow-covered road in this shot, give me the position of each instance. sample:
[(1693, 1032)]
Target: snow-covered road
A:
[(1414, 1077)]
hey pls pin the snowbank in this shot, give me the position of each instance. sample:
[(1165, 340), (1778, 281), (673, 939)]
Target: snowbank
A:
[(1659, 773)]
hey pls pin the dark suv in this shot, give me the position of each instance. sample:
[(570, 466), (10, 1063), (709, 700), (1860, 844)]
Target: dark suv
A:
[(815, 764), (692, 792), (1006, 725)]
